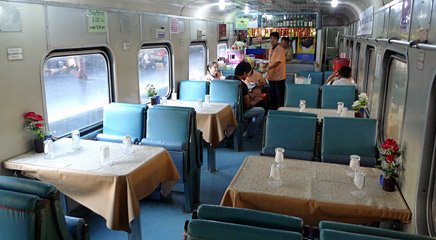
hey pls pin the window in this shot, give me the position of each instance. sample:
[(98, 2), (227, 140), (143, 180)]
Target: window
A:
[(76, 88), (395, 99), (154, 69), (221, 50), (197, 60)]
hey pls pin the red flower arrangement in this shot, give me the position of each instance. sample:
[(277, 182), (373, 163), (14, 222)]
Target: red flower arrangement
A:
[(389, 151), (35, 123)]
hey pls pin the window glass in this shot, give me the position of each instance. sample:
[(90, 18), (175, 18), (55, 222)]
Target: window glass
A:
[(395, 99), (197, 61), (76, 89), (221, 49), (154, 69)]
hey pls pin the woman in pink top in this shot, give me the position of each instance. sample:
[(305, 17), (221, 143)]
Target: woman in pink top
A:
[(213, 72)]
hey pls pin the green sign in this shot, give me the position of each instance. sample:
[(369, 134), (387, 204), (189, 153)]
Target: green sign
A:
[(96, 21), (242, 23)]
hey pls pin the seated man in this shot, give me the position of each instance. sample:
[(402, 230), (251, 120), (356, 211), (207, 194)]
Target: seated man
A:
[(254, 114), (258, 88), (341, 77)]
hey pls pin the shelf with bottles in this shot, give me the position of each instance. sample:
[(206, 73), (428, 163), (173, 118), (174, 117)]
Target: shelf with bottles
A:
[(284, 32), (307, 20)]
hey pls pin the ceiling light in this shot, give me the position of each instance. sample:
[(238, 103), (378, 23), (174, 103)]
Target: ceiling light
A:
[(222, 4), (246, 9), (334, 3)]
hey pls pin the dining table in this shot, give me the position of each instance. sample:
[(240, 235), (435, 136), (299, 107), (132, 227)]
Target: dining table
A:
[(314, 191), (109, 183), (215, 120)]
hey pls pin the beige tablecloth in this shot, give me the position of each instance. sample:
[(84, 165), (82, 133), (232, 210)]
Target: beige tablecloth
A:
[(215, 120), (320, 112), (112, 191), (314, 191)]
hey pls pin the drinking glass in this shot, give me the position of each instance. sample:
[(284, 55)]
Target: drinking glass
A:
[(105, 158), (302, 105), (174, 96), (274, 176), (354, 165), (49, 149), (344, 112), (164, 100), (340, 106), (199, 103), (207, 99), (359, 183), (75, 139), (279, 157), (127, 145)]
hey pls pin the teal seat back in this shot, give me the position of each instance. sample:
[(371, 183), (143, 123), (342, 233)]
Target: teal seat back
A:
[(22, 216), (296, 134), (366, 231), (249, 217), (327, 75), (296, 92), (331, 95), (342, 137), (213, 230), (192, 90), (121, 119), (228, 72), (225, 91), (169, 126), (315, 76)]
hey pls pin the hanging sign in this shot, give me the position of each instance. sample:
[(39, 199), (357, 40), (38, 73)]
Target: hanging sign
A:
[(242, 23), (364, 26), (222, 30), (96, 21), (405, 16), (174, 25)]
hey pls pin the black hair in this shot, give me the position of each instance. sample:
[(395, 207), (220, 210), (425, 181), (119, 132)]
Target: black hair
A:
[(275, 34), (210, 65), (241, 68), (286, 39), (345, 71)]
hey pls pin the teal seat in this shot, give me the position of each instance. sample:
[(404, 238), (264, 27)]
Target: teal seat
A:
[(228, 72), (315, 76), (291, 131), (332, 94), (249, 217), (342, 137), (22, 216), (337, 230), (296, 92), (327, 75), (192, 90), (229, 91), (175, 129), (121, 119), (213, 230), (58, 225)]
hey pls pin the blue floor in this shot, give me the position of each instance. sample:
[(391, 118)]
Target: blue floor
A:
[(165, 219)]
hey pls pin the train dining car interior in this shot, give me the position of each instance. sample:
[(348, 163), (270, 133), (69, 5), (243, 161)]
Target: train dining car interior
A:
[(218, 119)]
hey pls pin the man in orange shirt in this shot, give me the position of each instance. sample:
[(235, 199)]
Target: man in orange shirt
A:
[(276, 72)]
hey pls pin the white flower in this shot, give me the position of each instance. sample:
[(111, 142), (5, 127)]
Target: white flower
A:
[(363, 97), (355, 104)]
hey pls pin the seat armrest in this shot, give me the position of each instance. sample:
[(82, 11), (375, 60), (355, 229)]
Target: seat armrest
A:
[(77, 228), (168, 145)]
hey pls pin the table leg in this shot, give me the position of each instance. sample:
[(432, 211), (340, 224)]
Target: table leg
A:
[(135, 226), (211, 161)]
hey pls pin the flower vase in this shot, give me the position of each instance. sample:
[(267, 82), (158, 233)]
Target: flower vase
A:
[(360, 113), (38, 145), (153, 100), (388, 184)]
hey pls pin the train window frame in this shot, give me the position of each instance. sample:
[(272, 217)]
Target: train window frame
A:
[(388, 94), (204, 45), (217, 47), (65, 53), (168, 63), (356, 70), (370, 53)]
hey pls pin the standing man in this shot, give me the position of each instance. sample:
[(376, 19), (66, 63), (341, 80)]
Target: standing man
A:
[(276, 72), (286, 44)]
